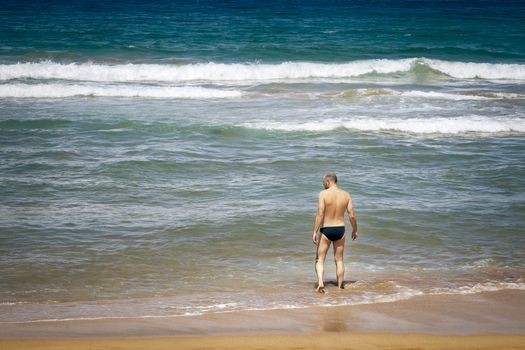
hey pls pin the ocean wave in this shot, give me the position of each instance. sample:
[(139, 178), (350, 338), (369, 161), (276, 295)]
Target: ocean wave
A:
[(10, 303), (438, 125), (65, 90), (404, 293), (363, 93), (212, 71), (466, 95), (470, 70), (496, 95), (57, 90), (442, 95), (480, 288)]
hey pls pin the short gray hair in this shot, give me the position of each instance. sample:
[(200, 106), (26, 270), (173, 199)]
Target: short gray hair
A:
[(330, 176)]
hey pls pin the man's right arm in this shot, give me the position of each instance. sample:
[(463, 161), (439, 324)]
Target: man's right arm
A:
[(351, 216), (319, 217)]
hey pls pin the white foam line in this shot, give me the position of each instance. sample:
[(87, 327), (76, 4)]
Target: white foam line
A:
[(442, 95), (212, 71), (438, 125), (65, 90), (466, 95), (480, 288), (471, 70), (199, 71), (88, 319)]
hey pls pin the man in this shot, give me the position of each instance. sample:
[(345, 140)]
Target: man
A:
[(332, 204)]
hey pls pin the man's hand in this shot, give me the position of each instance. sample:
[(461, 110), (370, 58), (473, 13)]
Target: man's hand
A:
[(354, 235), (315, 239)]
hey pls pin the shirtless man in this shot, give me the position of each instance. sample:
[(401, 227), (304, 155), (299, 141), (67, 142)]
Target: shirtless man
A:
[(331, 207)]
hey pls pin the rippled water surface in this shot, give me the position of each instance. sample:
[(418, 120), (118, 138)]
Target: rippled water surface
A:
[(163, 169)]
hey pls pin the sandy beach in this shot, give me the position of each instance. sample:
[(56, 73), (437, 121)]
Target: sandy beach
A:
[(317, 341), (487, 320)]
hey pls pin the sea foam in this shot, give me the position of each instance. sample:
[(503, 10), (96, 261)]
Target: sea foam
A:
[(443, 95), (490, 286), (212, 71), (66, 90), (438, 125)]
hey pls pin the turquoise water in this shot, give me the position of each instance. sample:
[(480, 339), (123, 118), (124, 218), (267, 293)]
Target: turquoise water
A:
[(160, 160)]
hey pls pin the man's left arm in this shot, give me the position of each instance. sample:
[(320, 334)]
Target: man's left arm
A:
[(351, 216)]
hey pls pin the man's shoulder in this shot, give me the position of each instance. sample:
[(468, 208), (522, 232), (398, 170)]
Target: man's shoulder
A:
[(345, 193)]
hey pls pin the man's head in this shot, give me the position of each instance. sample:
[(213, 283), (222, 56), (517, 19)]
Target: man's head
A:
[(329, 179)]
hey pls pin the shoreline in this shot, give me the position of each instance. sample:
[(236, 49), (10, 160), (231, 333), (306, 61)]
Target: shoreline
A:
[(498, 312)]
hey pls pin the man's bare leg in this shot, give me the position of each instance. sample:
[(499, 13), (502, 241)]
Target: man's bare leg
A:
[(339, 247), (322, 249)]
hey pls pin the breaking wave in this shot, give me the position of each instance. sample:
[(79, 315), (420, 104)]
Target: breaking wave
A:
[(254, 71), (438, 125)]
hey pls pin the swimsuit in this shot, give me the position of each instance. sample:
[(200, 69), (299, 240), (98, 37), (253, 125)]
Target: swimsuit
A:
[(333, 233)]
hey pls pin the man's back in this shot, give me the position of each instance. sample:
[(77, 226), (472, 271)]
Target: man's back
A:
[(335, 205)]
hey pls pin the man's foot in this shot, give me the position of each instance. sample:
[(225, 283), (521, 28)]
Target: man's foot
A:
[(320, 289)]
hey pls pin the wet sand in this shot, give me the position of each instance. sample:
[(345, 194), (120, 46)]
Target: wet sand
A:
[(487, 320), (295, 342)]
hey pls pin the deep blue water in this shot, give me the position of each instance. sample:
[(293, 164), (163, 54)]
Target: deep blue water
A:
[(249, 31)]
